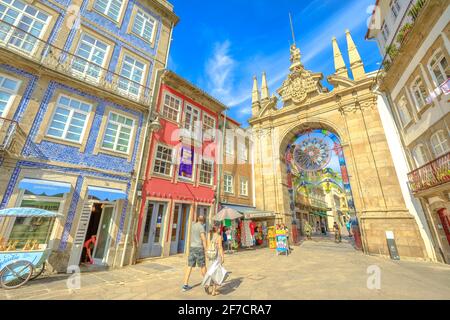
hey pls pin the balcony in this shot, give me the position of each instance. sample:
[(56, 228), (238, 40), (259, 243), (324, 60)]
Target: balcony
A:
[(433, 174), (46, 55), (12, 136), (311, 201)]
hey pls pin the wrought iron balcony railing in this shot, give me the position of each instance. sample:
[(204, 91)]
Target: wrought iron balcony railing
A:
[(9, 130), (312, 201), (30, 47), (430, 175)]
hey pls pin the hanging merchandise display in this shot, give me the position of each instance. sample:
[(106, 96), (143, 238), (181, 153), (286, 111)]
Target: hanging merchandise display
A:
[(252, 226), (258, 234), (272, 237), (246, 236)]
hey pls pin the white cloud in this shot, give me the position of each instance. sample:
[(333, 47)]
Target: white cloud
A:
[(220, 72)]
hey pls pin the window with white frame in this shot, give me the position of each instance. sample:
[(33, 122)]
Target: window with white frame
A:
[(171, 107), (163, 162), (118, 133), (403, 112), (207, 171), (8, 90), (439, 142), (419, 92), (439, 68), (132, 75), (243, 190), (243, 150), (191, 119), (110, 8), (229, 142), (385, 31), (395, 7), (228, 184), (144, 25), (420, 155), (90, 57), (26, 24), (209, 127), (69, 119)]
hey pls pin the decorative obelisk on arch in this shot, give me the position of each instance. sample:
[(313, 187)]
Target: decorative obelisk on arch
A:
[(350, 112)]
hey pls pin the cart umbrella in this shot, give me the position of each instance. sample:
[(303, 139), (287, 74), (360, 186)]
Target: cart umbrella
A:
[(227, 213), (28, 212)]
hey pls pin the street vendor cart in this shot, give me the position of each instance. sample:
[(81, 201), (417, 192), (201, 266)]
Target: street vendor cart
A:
[(19, 265)]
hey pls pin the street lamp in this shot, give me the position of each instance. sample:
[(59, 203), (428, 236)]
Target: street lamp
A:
[(155, 125)]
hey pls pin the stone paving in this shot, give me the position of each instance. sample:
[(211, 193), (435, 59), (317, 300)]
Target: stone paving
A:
[(317, 269)]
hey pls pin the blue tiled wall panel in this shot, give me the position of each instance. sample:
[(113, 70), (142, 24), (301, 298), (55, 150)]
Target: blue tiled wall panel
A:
[(47, 150), (28, 91), (125, 39)]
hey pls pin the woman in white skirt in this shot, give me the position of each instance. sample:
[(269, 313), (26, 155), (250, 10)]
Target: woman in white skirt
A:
[(215, 275)]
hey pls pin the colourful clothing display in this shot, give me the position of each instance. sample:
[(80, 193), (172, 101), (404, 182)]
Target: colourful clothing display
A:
[(252, 226), (246, 235)]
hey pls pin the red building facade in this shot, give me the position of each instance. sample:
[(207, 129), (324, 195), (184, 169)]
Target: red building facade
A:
[(181, 175)]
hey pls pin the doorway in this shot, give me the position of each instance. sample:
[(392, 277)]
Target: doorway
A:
[(179, 228), (100, 225), (153, 230)]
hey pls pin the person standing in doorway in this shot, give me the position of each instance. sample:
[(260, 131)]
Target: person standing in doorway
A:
[(317, 226), (197, 251), (89, 246)]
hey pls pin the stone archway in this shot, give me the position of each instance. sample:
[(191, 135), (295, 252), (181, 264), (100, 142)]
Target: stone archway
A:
[(349, 110)]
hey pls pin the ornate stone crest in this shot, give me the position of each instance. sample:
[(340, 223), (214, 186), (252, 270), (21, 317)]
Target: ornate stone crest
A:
[(300, 82), (297, 86)]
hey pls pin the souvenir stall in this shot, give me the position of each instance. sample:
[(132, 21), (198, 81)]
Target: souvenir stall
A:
[(252, 229), (255, 228)]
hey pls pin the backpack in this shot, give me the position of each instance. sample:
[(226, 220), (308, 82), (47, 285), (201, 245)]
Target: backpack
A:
[(212, 251)]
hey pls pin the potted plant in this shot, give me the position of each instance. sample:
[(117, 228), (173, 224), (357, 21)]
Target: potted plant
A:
[(404, 31), (392, 51), (386, 64)]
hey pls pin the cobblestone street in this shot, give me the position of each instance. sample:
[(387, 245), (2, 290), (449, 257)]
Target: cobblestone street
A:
[(317, 269)]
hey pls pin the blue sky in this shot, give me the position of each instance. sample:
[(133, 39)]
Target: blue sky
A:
[(220, 45)]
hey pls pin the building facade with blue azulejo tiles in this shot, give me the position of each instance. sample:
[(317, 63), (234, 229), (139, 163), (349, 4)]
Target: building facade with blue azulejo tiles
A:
[(76, 79)]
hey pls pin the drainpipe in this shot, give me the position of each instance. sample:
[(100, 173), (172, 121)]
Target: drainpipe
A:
[(220, 165), (144, 144)]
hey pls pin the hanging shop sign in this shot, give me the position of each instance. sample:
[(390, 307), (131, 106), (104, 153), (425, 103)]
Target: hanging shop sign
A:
[(262, 214)]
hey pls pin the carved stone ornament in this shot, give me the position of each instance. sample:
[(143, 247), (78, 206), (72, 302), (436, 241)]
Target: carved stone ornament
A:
[(264, 132), (297, 86)]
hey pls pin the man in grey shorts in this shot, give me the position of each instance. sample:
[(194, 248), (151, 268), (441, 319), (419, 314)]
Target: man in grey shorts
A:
[(197, 250)]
